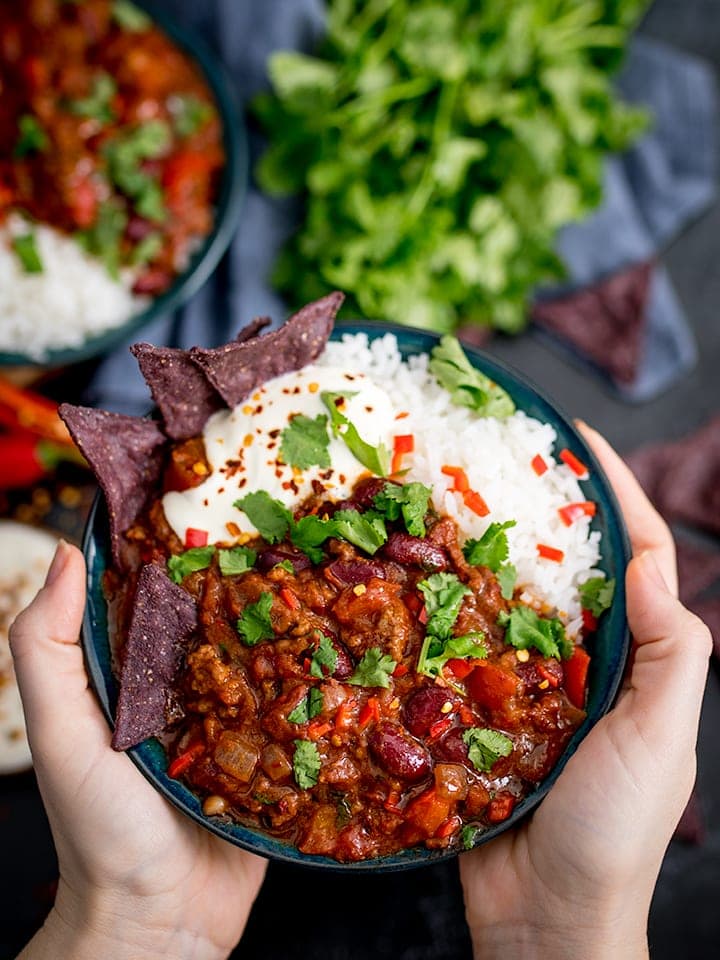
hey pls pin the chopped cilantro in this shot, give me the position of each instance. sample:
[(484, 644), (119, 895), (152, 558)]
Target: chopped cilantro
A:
[(32, 138), (254, 623), (468, 387), (236, 560), (491, 550), (411, 500), (305, 442), (485, 747), (104, 237), (125, 155), (507, 575), (285, 565), (309, 707), (443, 594), (469, 834), (25, 247), (270, 518), (98, 104), (196, 558), (306, 764), (364, 530), (130, 17), (376, 459), (524, 628), (436, 653), (189, 114), (596, 595), (146, 250), (309, 533), (325, 656), (374, 669)]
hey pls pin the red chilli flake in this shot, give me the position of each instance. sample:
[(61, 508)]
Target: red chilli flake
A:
[(573, 511), (577, 466), (185, 760), (473, 501), (196, 538), (538, 465), (550, 553)]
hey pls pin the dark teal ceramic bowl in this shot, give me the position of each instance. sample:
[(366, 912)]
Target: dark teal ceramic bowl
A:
[(227, 211), (609, 648)]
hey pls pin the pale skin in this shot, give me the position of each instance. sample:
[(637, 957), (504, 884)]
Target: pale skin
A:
[(138, 880)]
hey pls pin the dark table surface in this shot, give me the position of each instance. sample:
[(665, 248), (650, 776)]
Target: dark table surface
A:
[(419, 914)]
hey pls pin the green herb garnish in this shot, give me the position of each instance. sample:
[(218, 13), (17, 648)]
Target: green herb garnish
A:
[(196, 558), (469, 834), (438, 652), (32, 138), (410, 500), (98, 104), (507, 575), (309, 707), (376, 459), (270, 518), (125, 155), (485, 747), (189, 114), (444, 595), (306, 764), (285, 565), (596, 595), (374, 670), (25, 247), (491, 550), (146, 250), (236, 560), (305, 442), (467, 386), (325, 655), (254, 623), (130, 17), (309, 533), (103, 239), (365, 530), (524, 628)]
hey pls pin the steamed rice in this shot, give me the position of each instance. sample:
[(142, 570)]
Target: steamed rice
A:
[(496, 455), (73, 299)]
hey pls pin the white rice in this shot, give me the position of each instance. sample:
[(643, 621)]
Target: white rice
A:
[(73, 298), (496, 455)]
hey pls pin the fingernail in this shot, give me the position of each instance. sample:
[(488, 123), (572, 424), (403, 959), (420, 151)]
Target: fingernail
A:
[(58, 562), (651, 569)]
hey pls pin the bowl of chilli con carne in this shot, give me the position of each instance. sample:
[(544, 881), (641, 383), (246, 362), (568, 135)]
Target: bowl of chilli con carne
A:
[(355, 596), (120, 180)]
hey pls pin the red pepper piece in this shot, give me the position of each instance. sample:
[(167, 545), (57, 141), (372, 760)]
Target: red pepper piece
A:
[(423, 615), (460, 480), (318, 728), (343, 717), (538, 465), (550, 553), (392, 802), (370, 712), (26, 459), (473, 501), (491, 687), (552, 679), (500, 807), (289, 598), (460, 667), (589, 621), (573, 511), (185, 760), (438, 728), (402, 444), (400, 670), (577, 466), (448, 827), (467, 717), (196, 538), (575, 670)]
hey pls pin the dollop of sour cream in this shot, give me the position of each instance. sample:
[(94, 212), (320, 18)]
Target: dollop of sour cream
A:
[(242, 447)]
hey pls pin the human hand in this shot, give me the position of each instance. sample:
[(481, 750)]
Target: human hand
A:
[(576, 880), (137, 879)]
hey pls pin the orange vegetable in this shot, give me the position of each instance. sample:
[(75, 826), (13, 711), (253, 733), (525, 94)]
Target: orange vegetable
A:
[(550, 553), (185, 760), (577, 466), (461, 483), (573, 511), (576, 670), (491, 687), (538, 465), (473, 501)]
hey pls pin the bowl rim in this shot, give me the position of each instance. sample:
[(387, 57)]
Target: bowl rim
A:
[(415, 341), (231, 195)]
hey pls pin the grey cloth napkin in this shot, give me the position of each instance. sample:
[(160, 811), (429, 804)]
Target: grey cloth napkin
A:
[(650, 194)]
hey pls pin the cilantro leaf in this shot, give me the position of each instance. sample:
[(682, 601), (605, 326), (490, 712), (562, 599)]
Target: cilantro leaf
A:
[(285, 565), (485, 747), (309, 707), (309, 533), (189, 114), (325, 656), (491, 550), (376, 459), (305, 442), (98, 104), (524, 628), (364, 530), (254, 623), (104, 237), (507, 575), (125, 155), (469, 834), (270, 518), (236, 560), (444, 595), (436, 655), (410, 500), (196, 558), (306, 764), (32, 138), (25, 246), (596, 595), (468, 387), (130, 17), (146, 249), (374, 669)]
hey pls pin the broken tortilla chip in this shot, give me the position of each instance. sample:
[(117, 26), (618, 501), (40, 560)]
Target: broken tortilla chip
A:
[(164, 618), (238, 368), (126, 455)]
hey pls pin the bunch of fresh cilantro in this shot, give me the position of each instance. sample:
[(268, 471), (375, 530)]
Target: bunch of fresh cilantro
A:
[(439, 146)]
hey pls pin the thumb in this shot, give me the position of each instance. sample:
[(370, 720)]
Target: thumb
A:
[(673, 647), (60, 711)]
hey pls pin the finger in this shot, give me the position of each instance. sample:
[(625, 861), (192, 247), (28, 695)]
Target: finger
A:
[(60, 711), (647, 529), (673, 648)]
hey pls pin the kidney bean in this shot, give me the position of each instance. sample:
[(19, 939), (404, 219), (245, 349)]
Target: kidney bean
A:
[(403, 548), (425, 707), (344, 665), (270, 556), (534, 672), (452, 747), (398, 753), (352, 572)]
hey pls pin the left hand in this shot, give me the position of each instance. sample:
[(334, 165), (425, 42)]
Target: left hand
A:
[(137, 879)]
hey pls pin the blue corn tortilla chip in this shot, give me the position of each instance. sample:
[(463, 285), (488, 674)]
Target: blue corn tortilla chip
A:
[(238, 368), (126, 455), (162, 623)]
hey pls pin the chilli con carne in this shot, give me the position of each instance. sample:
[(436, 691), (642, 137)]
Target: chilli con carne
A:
[(108, 133)]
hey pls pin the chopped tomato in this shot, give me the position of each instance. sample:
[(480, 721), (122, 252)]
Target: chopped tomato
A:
[(577, 466), (500, 807), (550, 553), (538, 465), (573, 511), (491, 686), (196, 538)]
